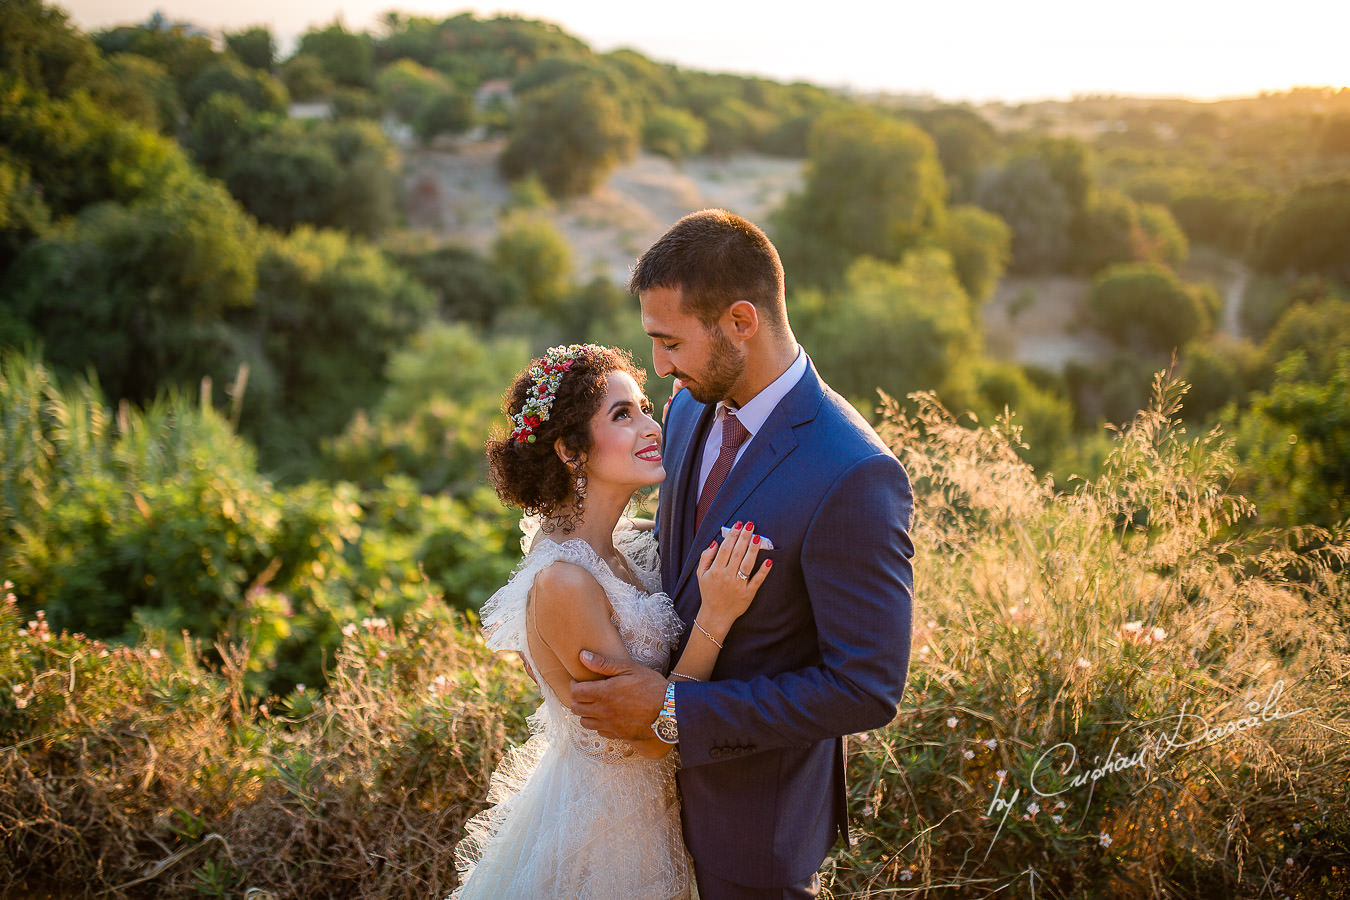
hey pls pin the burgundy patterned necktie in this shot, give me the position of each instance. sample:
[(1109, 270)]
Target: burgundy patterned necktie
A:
[(733, 435)]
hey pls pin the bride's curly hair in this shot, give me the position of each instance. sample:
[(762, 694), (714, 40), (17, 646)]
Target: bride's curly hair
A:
[(531, 475)]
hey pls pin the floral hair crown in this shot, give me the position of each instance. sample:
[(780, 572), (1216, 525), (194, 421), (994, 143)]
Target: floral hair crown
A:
[(545, 375)]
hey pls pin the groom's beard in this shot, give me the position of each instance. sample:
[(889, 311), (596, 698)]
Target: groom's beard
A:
[(726, 363)]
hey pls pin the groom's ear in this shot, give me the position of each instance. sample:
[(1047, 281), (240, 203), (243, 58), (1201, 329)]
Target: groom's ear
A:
[(742, 317)]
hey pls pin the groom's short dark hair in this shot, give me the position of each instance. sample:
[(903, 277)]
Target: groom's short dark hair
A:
[(715, 258)]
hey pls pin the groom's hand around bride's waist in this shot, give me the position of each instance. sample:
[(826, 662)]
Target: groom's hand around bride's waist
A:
[(621, 705)]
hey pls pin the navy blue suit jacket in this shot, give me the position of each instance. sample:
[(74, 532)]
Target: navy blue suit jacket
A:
[(823, 650)]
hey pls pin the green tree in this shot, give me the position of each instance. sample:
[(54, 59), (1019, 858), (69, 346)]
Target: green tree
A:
[(980, 245), (184, 54), (1316, 325), (873, 187), (255, 47), (1106, 231), (1070, 163), (530, 250), (966, 145), (1309, 233), (443, 399), (1294, 441), (673, 133), (348, 58), (305, 78), (259, 90), (1220, 371), (221, 129), (140, 90), (901, 328), (449, 111), (329, 312), (468, 287), (40, 47), (1222, 216), (1044, 416), (331, 174), (1026, 196), (285, 178), (1162, 240), (571, 134), (138, 292), (80, 153), (23, 216), (404, 87), (1147, 307)]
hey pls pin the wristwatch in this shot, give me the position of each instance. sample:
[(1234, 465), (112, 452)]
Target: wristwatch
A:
[(664, 726)]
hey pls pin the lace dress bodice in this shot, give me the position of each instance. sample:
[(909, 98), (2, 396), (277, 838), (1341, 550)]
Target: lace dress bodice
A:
[(645, 618), (577, 814)]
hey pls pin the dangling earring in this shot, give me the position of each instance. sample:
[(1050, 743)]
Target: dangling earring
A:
[(579, 493)]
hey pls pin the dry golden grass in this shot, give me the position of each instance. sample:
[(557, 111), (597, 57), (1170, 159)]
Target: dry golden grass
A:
[(129, 774)]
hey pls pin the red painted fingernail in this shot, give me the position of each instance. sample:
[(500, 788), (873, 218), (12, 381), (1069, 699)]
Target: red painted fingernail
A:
[(768, 564), (749, 526), (737, 525), (755, 539), (712, 545)]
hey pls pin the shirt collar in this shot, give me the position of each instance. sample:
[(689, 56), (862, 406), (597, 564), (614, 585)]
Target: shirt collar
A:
[(756, 411)]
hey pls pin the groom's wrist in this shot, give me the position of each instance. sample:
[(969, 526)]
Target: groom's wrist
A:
[(665, 726)]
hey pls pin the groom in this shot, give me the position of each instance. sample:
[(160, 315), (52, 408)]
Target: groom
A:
[(824, 648)]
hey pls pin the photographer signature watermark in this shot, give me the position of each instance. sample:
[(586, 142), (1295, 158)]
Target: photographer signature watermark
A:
[(1189, 729)]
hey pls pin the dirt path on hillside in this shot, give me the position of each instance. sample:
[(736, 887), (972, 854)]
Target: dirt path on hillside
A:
[(458, 195), (1037, 321)]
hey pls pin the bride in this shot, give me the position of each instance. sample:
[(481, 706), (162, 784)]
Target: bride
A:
[(575, 814)]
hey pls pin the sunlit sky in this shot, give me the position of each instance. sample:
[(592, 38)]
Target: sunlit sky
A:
[(954, 49)]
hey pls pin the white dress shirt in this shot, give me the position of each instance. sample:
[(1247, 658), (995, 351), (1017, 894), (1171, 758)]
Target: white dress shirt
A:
[(752, 415)]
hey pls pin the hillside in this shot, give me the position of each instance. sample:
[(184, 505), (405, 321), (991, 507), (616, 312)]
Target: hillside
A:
[(459, 194)]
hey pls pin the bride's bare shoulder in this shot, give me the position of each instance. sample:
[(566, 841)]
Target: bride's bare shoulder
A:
[(560, 586)]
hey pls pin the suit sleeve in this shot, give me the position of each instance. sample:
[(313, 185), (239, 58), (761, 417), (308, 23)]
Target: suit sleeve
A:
[(859, 579)]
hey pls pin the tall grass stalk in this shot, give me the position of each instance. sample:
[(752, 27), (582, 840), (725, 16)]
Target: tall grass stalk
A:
[(1060, 632)]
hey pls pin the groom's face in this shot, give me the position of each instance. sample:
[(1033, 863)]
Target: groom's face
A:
[(705, 360)]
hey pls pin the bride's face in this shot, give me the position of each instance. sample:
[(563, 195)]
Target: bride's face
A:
[(625, 439)]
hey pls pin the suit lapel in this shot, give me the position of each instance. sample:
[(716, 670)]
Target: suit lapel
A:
[(688, 428), (768, 448)]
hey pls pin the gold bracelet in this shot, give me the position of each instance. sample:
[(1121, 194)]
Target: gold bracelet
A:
[(684, 676), (709, 634)]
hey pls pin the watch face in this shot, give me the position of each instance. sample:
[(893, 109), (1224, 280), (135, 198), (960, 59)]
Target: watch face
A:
[(665, 729)]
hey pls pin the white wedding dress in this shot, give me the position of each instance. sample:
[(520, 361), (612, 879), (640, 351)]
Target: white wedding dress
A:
[(577, 815)]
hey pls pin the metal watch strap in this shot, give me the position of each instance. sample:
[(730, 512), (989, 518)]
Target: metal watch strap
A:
[(665, 725)]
